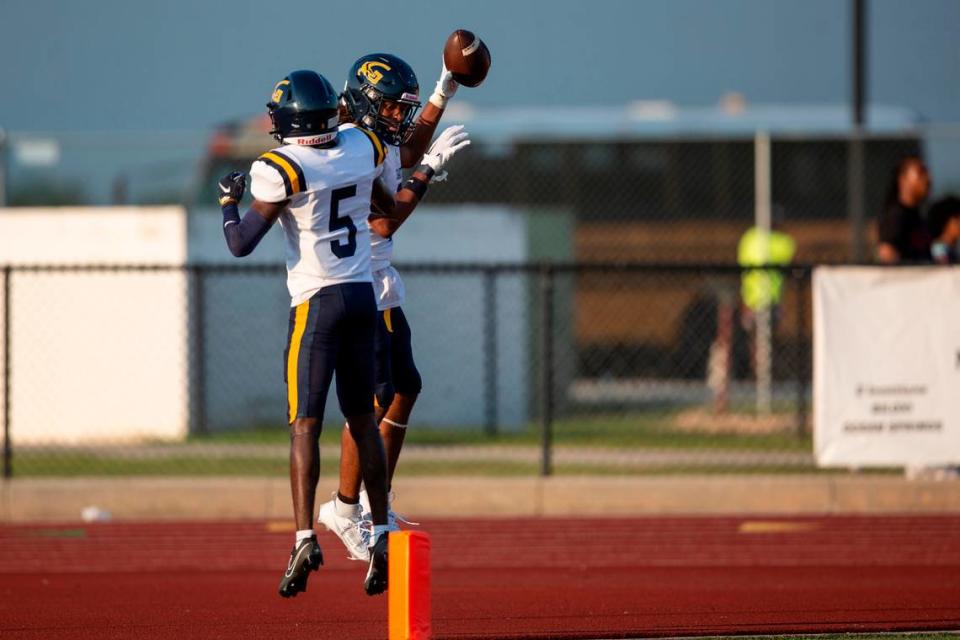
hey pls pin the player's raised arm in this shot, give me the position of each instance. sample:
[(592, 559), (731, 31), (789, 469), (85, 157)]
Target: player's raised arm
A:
[(466, 61), (243, 235), (416, 145), (393, 212)]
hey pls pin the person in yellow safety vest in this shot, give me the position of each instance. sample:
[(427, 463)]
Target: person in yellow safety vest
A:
[(762, 288)]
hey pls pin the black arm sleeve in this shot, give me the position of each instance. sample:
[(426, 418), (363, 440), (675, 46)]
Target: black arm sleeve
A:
[(417, 185), (243, 236)]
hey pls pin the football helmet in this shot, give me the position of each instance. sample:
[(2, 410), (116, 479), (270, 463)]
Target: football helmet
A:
[(382, 94), (303, 109)]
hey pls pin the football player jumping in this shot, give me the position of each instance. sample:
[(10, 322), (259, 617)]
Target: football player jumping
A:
[(320, 185), (382, 94)]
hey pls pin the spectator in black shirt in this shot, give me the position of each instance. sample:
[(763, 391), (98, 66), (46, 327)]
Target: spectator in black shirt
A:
[(944, 223), (903, 232)]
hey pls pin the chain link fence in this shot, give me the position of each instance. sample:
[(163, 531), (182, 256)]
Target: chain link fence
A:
[(613, 340), (179, 370)]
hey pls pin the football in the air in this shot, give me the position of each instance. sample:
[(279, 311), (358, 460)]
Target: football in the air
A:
[(466, 57)]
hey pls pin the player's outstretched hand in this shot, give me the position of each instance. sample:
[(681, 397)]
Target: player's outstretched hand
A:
[(232, 187), (445, 147), (446, 87)]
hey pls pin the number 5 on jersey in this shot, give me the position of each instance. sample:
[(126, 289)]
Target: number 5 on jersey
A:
[(339, 248)]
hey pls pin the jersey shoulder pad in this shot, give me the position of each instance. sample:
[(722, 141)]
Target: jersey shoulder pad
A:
[(281, 171), (379, 149)]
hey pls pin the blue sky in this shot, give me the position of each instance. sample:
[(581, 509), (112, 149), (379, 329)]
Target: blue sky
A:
[(109, 65)]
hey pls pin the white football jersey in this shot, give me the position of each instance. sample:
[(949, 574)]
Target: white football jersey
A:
[(387, 284), (392, 179), (325, 224)]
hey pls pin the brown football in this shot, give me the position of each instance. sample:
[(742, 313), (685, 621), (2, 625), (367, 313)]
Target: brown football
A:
[(466, 57)]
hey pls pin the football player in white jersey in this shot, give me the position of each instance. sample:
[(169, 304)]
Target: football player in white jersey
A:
[(320, 185), (382, 94)]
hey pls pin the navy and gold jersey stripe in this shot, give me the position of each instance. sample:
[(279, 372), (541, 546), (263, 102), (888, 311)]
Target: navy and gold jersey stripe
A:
[(294, 364), (379, 153), (293, 180)]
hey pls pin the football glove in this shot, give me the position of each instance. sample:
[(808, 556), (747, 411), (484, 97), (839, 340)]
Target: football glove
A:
[(443, 148), (446, 87), (232, 187)]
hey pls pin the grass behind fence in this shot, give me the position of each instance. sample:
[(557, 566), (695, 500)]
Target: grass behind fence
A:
[(262, 451)]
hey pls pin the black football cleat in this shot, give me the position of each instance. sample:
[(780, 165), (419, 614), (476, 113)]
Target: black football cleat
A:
[(376, 582), (304, 558)]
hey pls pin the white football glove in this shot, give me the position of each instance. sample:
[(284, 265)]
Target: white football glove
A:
[(443, 148), (446, 87)]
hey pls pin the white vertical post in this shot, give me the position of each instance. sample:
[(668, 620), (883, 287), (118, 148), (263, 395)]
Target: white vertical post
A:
[(762, 219)]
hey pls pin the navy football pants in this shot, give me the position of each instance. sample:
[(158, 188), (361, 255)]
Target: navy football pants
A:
[(332, 332)]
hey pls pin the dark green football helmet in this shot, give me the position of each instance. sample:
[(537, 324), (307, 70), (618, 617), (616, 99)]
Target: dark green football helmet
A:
[(303, 109), (382, 94)]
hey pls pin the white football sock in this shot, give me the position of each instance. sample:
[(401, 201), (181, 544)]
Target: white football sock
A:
[(345, 510), (303, 534)]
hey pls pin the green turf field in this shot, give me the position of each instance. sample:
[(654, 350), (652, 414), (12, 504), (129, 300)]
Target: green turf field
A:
[(599, 430)]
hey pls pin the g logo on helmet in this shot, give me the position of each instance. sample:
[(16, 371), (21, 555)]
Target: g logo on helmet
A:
[(369, 71), (278, 91)]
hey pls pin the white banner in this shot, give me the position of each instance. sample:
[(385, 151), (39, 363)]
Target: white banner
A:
[(886, 366)]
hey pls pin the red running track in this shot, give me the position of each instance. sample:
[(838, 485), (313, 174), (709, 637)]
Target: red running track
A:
[(533, 578)]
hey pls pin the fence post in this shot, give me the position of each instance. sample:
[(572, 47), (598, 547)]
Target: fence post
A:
[(800, 277), (856, 174), (7, 444), (198, 374), (490, 350), (546, 368), (763, 211)]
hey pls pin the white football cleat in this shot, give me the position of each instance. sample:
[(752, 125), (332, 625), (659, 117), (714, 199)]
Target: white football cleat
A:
[(392, 517), (353, 532)]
